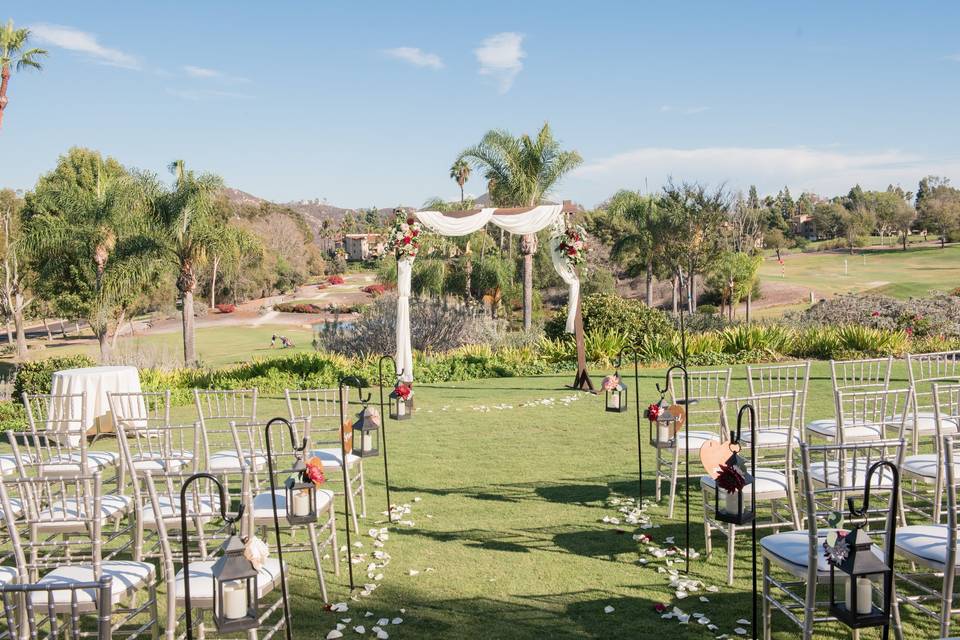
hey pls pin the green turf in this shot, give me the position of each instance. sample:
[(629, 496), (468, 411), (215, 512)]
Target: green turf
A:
[(510, 522), (902, 274)]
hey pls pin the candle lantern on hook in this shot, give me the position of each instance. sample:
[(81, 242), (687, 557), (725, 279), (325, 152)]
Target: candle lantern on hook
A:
[(235, 589), (401, 401), (615, 399), (366, 433)]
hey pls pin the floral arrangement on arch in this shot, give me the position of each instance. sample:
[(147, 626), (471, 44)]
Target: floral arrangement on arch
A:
[(573, 244), (405, 236)]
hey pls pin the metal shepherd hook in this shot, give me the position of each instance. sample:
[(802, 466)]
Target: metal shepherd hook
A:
[(636, 402), (383, 430), (753, 522), (348, 381)]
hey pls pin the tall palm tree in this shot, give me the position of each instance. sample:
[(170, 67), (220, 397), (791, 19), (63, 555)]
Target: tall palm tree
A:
[(185, 213), (13, 52), (460, 172), (521, 172), (637, 250)]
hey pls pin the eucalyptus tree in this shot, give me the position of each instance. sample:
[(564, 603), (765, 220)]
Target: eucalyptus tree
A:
[(14, 53), (228, 249), (185, 214), (92, 247), (460, 173), (13, 265), (640, 247), (521, 172)]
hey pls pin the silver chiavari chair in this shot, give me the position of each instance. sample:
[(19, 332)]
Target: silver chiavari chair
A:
[(36, 611), (781, 378), (228, 421), (61, 541), (774, 480), (794, 563), (931, 549), (866, 374), (322, 409), (924, 371), (153, 441), (925, 471)]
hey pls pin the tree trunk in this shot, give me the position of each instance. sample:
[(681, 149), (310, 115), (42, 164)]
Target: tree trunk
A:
[(904, 241), (749, 300), (213, 283), (18, 323), (46, 326), (528, 246), (461, 194), (691, 293), (649, 283), (675, 294), (104, 344), (116, 332), (4, 82), (189, 354), (9, 331), (468, 271)]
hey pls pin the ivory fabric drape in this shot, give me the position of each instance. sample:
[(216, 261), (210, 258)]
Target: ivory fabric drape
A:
[(537, 219), (404, 351)]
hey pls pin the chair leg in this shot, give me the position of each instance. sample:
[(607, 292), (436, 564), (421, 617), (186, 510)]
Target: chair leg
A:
[(363, 491), (353, 507), (765, 600), (707, 531), (673, 481), (154, 611), (809, 608), (657, 493), (335, 550), (897, 623), (315, 550), (731, 547)]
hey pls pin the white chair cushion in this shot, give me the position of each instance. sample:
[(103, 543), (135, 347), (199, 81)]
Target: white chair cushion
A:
[(828, 429), (201, 582), (229, 461), (16, 506), (8, 463), (925, 544), (333, 457), (68, 465), (263, 505), (157, 461), (771, 438), (64, 516), (825, 427), (768, 483), (8, 575), (925, 465), (855, 475), (697, 438), (926, 423), (170, 511), (790, 550), (128, 577)]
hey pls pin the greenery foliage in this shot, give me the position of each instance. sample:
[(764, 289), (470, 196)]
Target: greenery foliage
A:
[(36, 376)]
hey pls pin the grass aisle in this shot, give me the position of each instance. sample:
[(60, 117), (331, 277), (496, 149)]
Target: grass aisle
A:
[(508, 539)]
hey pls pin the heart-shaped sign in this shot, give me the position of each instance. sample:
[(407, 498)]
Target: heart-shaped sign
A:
[(713, 453), (680, 414)]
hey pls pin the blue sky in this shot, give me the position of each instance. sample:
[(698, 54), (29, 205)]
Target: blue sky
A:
[(368, 103)]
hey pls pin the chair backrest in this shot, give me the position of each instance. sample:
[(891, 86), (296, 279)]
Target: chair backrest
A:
[(217, 407), (707, 386), (777, 378), (148, 432), (141, 411), (866, 373), (833, 472), (779, 412), (871, 414), (925, 370), (52, 506), (322, 408), (950, 446), (40, 614), (55, 432), (946, 409)]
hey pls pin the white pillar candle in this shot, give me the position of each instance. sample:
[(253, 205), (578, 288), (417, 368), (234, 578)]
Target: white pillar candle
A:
[(401, 407), (663, 431), (235, 599), (864, 596), (301, 502), (730, 502), (367, 441)]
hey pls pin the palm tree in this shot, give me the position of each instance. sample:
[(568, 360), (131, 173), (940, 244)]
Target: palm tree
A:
[(106, 254), (460, 172), (185, 213), (521, 172), (13, 51), (637, 250)]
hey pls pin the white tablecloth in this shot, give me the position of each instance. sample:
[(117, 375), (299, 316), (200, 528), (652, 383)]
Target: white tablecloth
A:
[(95, 382)]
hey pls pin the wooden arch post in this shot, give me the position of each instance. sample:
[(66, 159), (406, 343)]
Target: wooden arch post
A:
[(582, 381)]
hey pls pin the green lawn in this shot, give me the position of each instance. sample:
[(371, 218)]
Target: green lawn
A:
[(508, 538), (892, 272)]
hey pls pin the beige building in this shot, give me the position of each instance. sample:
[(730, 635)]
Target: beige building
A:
[(363, 246)]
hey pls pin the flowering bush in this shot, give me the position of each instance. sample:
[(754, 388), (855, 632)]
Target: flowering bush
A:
[(405, 237), (573, 245), (226, 308), (335, 280), (301, 307), (375, 289)]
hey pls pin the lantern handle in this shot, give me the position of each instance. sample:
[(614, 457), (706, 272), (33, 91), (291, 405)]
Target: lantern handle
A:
[(863, 511), (745, 408)]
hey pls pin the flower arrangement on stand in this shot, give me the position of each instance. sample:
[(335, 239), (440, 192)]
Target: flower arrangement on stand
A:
[(405, 236), (573, 245)]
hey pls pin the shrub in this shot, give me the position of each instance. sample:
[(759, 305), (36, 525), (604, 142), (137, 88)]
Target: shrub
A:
[(607, 311), (13, 417), (937, 314), (298, 307), (375, 289), (707, 309), (873, 342), (335, 279), (226, 308), (603, 346), (767, 339), (36, 377)]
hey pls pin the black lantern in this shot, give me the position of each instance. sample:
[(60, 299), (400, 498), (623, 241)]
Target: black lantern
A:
[(729, 488), (301, 495), (366, 433), (401, 401), (857, 570), (234, 589), (661, 423), (616, 394)]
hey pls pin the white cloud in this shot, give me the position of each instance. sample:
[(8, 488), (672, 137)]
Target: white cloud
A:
[(82, 42), (954, 56), (415, 56), (827, 172), (500, 56), (204, 73)]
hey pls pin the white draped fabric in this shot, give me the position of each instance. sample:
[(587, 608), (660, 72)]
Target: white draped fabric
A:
[(537, 219), (404, 351)]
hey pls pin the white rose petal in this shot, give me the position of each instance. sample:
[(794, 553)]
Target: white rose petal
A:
[(608, 609), (360, 629), (334, 633)]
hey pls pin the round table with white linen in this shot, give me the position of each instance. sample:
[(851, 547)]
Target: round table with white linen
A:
[(95, 382)]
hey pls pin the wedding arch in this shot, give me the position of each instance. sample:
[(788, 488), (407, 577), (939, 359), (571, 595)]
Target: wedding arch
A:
[(515, 220)]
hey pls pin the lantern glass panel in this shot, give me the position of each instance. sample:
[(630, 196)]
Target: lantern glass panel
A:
[(235, 589), (735, 507), (366, 434), (854, 581), (301, 501), (616, 399)]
